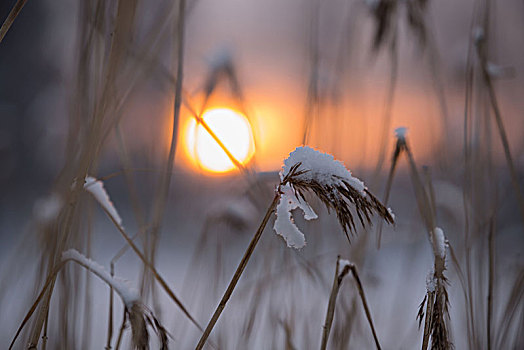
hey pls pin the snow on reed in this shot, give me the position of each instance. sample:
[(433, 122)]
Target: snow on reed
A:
[(284, 224), (96, 188), (478, 35), (322, 167), (343, 263), (129, 295), (390, 211), (309, 170), (400, 133), (440, 242), (431, 281)]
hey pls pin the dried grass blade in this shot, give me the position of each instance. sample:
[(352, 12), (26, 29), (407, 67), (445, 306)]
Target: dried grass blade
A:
[(491, 248), (389, 183), (238, 274), (427, 323), (11, 18), (501, 129), (365, 304), (330, 313), (49, 281)]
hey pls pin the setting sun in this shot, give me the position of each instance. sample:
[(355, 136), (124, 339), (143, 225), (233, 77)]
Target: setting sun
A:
[(233, 130)]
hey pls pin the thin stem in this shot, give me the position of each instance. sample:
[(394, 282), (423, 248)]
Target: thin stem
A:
[(427, 322), (330, 313), (354, 271), (420, 193), (110, 316), (491, 244), (44, 336), (11, 18), (238, 273), (165, 180), (388, 107), (121, 332), (387, 191), (502, 131)]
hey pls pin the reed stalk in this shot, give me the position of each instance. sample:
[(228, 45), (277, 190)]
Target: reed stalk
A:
[(238, 273), (11, 18)]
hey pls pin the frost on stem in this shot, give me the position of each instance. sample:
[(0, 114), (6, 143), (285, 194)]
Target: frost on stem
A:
[(129, 295), (478, 35), (138, 315), (308, 170), (390, 211), (400, 133), (344, 267), (440, 242), (436, 326), (96, 188), (431, 281)]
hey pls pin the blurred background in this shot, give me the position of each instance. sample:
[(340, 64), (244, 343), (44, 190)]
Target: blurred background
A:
[(339, 76)]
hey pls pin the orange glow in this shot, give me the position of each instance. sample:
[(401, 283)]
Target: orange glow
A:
[(233, 130), (351, 131)]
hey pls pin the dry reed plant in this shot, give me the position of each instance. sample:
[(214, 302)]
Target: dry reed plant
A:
[(328, 184), (139, 317), (436, 301), (330, 313)]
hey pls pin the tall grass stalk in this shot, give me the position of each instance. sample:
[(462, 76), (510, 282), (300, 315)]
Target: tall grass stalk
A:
[(165, 179), (11, 18), (491, 275), (238, 273), (388, 107), (500, 125), (436, 299), (385, 199), (330, 313)]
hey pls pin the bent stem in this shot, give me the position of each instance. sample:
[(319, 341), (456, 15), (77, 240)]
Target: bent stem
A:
[(240, 269), (330, 313)]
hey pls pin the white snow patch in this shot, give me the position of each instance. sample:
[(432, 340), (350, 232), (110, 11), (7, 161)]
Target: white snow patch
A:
[(431, 281), (129, 295), (343, 263), (478, 35), (284, 223), (400, 133), (390, 211), (96, 188), (440, 242), (321, 167)]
